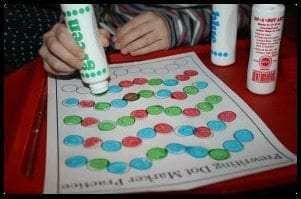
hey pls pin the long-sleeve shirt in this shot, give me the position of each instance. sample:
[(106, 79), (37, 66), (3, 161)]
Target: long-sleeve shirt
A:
[(188, 24)]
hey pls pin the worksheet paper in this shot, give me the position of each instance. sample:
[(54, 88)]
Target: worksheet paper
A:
[(165, 124)]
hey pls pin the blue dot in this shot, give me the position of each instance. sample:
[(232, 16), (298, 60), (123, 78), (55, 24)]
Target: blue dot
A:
[(111, 145), (185, 130), (233, 146), (146, 133), (197, 151), (216, 125), (215, 53), (70, 102), (243, 135), (220, 54), (118, 167), (163, 93), (119, 103), (73, 140), (201, 84), (170, 82), (140, 163), (76, 161), (114, 89), (175, 148), (225, 54)]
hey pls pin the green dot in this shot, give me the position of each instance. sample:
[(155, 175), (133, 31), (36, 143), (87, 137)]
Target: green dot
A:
[(87, 75), (72, 119), (219, 154), (104, 70), (204, 106), (102, 106), (154, 109), (155, 82), (106, 125), (83, 75), (190, 90), (156, 153), (93, 74), (98, 164), (74, 12), (68, 13), (98, 72), (81, 10), (173, 111), (213, 99), (146, 93), (64, 14), (126, 120), (87, 9)]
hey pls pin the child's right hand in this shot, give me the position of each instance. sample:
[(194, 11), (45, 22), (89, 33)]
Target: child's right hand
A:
[(61, 54)]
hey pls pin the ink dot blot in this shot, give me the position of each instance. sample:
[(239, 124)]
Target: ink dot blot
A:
[(154, 109), (125, 83), (86, 103), (204, 106), (131, 141), (175, 148), (163, 93), (102, 106), (106, 125), (74, 12), (173, 111), (219, 154), (126, 121), (139, 114), (155, 82), (119, 103), (216, 125), (203, 132), (201, 84), (98, 164), (139, 81), (233, 146), (213, 99), (111, 146), (170, 82), (81, 10), (89, 122), (197, 151), (146, 93), (146, 133), (191, 112), (185, 130), (118, 167), (163, 128), (190, 90), (243, 135), (73, 140), (72, 120), (92, 142), (114, 89), (178, 95), (76, 161), (70, 102), (191, 73), (227, 116), (140, 163), (182, 77), (156, 153), (131, 97)]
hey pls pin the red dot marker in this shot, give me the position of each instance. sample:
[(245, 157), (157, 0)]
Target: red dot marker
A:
[(131, 141)]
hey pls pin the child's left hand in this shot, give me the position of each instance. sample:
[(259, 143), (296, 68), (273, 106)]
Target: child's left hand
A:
[(143, 34)]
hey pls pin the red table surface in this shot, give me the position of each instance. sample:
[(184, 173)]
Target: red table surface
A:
[(24, 88)]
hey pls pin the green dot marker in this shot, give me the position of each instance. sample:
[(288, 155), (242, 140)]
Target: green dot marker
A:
[(154, 109), (190, 90), (204, 106), (213, 99), (146, 93), (98, 164), (102, 106), (173, 111), (155, 82), (219, 154), (72, 120), (126, 120), (106, 125), (156, 153)]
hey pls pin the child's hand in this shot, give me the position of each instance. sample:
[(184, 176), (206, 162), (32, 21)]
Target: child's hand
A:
[(143, 34), (61, 54)]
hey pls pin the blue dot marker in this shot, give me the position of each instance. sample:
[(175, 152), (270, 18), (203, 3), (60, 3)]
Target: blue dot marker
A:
[(175, 148), (197, 151), (200, 84), (216, 125), (185, 130), (146, 133), (243, 135), (73, 140), (76, 161), (233, 146), (163, 93), (170, 82), (111, 145), (119, 103), (70, 102), (118, 167), (114, 89), (141, 163)]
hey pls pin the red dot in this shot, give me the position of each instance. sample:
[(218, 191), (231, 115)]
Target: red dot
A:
[(139, 114), (126, 83), (182, 77), (191, 73), (178, 95), (227, 116), (131, 141), (92, 142), (202, 132), (87, 103), (89, 121), (191, 112), (140, 81), (163, 128)]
